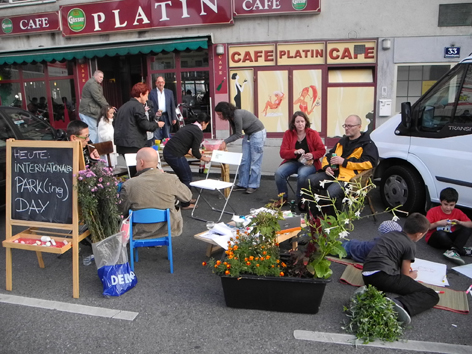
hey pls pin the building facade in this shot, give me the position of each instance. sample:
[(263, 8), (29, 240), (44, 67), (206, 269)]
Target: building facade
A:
[(272, 57)]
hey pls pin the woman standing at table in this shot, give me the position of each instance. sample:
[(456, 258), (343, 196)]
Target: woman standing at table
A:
[(253, 143), (188, 137), (301, 150)]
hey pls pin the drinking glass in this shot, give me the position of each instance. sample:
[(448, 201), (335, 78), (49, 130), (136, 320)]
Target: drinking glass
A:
[(210, 225)]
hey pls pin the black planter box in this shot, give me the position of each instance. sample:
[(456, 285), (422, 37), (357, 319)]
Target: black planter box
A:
[(274, 293)]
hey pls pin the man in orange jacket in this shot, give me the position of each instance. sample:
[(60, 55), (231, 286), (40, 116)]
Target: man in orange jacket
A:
[(352, 154)]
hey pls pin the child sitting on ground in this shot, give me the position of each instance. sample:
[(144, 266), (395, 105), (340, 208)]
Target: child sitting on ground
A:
[(450, 227), (388, 268), (358, 250)]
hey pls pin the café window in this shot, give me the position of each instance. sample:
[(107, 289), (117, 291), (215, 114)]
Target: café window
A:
[(414, 80)]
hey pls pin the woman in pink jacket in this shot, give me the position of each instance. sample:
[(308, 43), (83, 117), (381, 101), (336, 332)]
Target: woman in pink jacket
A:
[(301, 150)]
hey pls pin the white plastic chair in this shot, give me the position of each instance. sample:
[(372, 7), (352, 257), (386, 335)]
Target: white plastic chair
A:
[(222, 157)]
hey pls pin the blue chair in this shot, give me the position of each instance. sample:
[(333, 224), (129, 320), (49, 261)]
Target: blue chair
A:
[(150, 216)]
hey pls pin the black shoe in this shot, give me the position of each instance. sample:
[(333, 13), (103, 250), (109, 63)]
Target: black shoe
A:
[(239, 188)]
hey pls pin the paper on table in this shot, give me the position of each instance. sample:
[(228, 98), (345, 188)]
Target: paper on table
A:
[(430, 272), (464, 269), (221, 229)]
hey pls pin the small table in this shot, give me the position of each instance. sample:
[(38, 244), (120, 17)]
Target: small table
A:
[(283, 235)]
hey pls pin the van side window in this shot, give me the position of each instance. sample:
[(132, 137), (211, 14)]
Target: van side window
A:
[(437, 108), (5, 132), (463, 113)]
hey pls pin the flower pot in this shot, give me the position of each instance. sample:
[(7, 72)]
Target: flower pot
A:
[(281, 294)]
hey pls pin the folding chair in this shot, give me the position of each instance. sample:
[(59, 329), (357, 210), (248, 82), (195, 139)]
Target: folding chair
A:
[(105, 148), (222, 157), (150, 216), (295, 175)]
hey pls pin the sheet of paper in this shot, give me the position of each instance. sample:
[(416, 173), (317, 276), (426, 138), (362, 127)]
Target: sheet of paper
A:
[(464, 269), (430, 272), (221, 229)]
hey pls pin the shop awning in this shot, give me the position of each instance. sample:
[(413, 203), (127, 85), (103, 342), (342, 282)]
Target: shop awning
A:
[(100, 50)]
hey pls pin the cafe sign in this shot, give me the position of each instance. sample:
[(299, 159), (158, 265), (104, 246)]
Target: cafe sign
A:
[(276, 7), (43, 22), (126, 15)]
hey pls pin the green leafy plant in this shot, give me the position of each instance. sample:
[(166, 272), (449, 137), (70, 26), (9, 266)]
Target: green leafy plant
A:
[(98, 200), (371, 316), (329, 230)]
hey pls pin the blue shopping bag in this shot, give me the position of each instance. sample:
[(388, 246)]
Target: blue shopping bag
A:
[(111, 258), (117, 279)]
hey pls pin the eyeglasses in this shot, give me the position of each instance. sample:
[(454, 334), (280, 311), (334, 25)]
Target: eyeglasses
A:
[(349, 125), (83, 137)]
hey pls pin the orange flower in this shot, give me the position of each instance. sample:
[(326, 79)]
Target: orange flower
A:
[(267, 257), (248, 263), (283, 264), (257, 265), (228, 266), (225, 263), (273, 266), (278, 260), (282, 274), (227, 272), (251, 258), (204, 264), (235, 247), (245, 259), (216, 266), (237, 237), (257, 258), (218, 262), (265, 252), (277, 244)]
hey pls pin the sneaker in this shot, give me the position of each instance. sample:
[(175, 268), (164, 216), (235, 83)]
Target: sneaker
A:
[(239, 188), (402, 314), (468, 251), (454, 256), (250, 190)]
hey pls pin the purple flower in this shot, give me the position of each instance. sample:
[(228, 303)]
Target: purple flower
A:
[(100, 179)]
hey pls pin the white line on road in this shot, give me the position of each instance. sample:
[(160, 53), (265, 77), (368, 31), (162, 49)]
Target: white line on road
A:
[(346, 339), (66, 307)]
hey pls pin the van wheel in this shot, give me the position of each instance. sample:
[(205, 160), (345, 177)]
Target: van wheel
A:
[(402, 185)]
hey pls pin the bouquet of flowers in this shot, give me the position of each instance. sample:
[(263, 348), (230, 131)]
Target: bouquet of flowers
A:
[(98, 200)]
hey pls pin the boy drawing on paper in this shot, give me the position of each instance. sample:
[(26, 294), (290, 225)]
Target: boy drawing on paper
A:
[(450, 227), (388, 268), (358, 250)]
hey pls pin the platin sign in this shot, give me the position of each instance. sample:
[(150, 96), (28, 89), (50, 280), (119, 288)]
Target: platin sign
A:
[(43, 22), (126, 15), (276, 7)]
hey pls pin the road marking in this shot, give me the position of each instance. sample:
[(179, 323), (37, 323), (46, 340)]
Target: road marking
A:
[(346, 339), (66, 307)]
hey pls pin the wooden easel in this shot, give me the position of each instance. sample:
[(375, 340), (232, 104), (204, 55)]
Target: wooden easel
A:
[(65, 234)]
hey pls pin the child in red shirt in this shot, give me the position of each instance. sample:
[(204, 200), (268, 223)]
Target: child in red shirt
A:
[(450, 227)]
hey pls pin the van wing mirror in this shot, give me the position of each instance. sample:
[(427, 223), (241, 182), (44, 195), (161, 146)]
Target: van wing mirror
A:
[(406, 114)]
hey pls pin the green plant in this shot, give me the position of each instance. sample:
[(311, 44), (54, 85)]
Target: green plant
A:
[(329, 230), (371, 316), (98, 200), (255, 251)]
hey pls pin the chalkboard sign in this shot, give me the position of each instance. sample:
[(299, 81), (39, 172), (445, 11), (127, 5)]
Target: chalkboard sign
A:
[(42, 184)]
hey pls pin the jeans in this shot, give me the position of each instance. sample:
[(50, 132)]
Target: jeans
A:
[(446, 240), (182, 170), (164, 132), (250, 169), (92, 125), (334, 189), (289, 168), (415, 298)]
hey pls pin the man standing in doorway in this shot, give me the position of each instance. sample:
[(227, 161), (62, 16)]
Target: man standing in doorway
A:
[(164, 106), (92, 103)]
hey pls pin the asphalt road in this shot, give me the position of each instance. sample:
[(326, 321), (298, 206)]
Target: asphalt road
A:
[(185, 312)]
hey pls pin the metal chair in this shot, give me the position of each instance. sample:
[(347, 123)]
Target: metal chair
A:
[(222, 157), (150, 216), (294, 175)]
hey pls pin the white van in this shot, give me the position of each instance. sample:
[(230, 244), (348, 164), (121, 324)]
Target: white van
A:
[(428, 147)]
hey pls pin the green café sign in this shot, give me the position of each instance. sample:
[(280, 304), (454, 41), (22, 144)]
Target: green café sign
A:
[(299, 4), (7, 25)]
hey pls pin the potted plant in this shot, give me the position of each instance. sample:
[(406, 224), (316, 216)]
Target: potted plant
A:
[(255, 276)]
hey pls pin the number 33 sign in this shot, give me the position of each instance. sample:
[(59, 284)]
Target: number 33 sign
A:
[(452, 52)]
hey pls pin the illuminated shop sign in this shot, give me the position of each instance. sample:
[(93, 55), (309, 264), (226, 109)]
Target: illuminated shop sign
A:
[(44, 22), (126, 15)]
